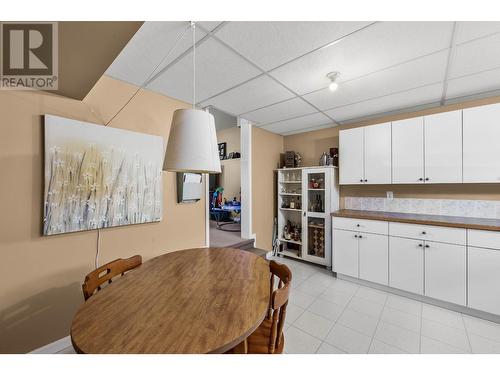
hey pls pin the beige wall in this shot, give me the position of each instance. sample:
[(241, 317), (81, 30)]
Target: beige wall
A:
[(41, 276), (312, 144), (266, 150), (230, 178)]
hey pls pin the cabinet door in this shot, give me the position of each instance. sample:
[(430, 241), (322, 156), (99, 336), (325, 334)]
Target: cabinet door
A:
[(484, 279), (443, 147), (408, 151), (406, 264), (345, 252), (481, 127), (351, 156), (374, 258), (377, 154), (445, 270)]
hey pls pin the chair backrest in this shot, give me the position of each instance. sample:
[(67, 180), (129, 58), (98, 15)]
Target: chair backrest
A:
[(95, 279), (278, 302)]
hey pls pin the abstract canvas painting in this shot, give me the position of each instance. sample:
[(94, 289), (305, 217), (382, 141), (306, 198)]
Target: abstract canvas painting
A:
[(98, 177)]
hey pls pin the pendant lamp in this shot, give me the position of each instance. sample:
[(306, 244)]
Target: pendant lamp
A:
[(192, 143)]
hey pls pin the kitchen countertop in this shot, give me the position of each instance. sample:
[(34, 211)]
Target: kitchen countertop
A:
[(445, 221)]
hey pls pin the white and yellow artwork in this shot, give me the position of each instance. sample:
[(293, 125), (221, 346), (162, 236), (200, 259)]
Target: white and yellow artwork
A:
[(99, 177)]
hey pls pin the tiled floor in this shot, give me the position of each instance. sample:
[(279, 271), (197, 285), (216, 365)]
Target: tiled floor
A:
[(328, 315)]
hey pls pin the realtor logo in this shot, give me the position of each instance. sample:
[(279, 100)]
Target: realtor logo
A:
[(29, 58)]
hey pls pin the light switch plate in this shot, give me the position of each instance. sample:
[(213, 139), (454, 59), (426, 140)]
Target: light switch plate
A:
[(390, 195)]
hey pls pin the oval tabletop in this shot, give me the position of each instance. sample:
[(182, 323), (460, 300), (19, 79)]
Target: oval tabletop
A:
[(189, 301)]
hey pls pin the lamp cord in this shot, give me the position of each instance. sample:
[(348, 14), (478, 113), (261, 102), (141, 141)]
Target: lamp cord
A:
[(179, 38)]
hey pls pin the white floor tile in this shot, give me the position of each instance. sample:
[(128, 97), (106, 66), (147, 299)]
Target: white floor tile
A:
[(404, 304), (379, 347), (322, 279), (329, 349), (301, 299), (326, 309), (372, 295), (336, 297), (401, 319), (293, 312), (449, 335), (431, 346), (348, 340), (482, 327), (360, 322), (482, 345), (443, 316), (314, 324), (399, 337), (344, 287), (364, 306), (299, 342), (311, 288)]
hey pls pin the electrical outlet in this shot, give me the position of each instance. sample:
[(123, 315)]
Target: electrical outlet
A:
[(390, 195)]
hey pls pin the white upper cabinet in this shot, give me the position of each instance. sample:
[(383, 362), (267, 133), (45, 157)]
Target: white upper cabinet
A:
[(408, 151), (351, 154), (365, 155), (378, 154), (481, 154), (443, 147)]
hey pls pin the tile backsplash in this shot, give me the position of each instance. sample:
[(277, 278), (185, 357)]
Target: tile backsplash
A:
[(449, 207)]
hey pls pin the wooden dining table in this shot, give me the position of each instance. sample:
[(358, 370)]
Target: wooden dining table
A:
[(205, 300)]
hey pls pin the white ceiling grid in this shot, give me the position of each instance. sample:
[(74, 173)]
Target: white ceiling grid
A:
[(274, 73)]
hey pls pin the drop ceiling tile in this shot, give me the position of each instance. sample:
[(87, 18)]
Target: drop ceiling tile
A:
[(377, 47), (319, 127), (298, 123), (148, 47), (416, 73), (269, 44), (256, 93), (281, 111), (411, 98), (474, 84), (468, 30), (217, 69), (476, 56)]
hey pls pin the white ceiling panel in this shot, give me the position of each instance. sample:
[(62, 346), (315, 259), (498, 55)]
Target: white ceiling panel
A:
[(281, 111), (269, 44), (252, 95), (370, 50), (319, 127), (476, 56), (411, 98), (468, 30), (298, 123), (147, 48), (474, 84), (416, 73), (217, 69)]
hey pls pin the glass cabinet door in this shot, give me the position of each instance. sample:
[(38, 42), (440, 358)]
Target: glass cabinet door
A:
[(314, 183), (316, 237)]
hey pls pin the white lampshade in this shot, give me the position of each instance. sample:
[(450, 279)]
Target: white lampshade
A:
[(192, 144)]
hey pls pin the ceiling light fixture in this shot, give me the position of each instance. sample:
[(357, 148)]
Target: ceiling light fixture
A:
[(192, 143), (332, 76)]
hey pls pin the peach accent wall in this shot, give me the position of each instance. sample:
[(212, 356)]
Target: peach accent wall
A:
[(266, 150), (230, 178), (312, 144), (41, 276)]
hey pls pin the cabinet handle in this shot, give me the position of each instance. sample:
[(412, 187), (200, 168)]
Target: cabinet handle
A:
[(420, 179), (358, 225), (427, 246), (424, 232), (427, 179), (355, 236), (366, 180), (361, 180), (420, 245), (360, 236)]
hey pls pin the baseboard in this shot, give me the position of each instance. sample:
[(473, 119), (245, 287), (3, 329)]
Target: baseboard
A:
[(53, 347)]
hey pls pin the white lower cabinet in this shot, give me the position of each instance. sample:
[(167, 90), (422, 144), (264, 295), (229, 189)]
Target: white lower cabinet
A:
[(345, 256), (406, 264), (445, 272), (484, 279), (374, 258)]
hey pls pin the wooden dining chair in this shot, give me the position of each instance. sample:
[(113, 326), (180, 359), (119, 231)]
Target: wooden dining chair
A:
[(268, 338), (95, 279)]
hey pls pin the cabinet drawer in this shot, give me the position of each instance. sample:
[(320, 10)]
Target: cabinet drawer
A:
[(360, 225), (429, 233), (484, 238)]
